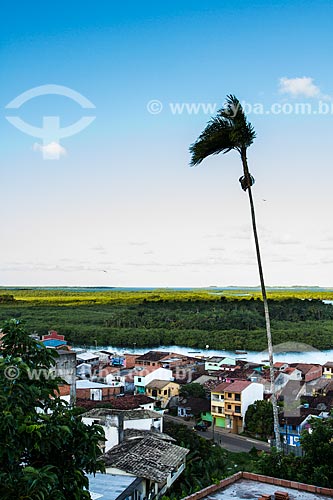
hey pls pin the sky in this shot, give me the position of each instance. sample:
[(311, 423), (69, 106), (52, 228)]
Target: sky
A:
[(116, 203)]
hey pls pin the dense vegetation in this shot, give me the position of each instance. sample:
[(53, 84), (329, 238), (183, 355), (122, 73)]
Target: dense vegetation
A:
[(231, 319), (205, 462), (315, 467), (45, 448)]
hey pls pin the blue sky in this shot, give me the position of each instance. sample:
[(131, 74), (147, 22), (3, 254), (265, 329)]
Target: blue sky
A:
[(120, 206)]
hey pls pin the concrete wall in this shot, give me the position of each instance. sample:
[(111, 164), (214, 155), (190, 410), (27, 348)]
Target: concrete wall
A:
[(104, 394), (250, 394)]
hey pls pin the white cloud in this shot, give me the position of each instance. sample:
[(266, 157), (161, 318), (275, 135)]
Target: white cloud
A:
[(51, 151), (299, 87)]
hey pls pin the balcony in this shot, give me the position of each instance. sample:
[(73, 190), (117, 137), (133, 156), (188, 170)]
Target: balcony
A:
[(217, 410), (216, 397), (217, 402)]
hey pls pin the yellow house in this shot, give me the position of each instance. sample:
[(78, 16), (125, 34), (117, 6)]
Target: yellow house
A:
[(328, 369), (162, 391), (230, 400)]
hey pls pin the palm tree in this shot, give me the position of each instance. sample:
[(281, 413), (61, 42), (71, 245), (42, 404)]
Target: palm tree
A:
[(230, 130)]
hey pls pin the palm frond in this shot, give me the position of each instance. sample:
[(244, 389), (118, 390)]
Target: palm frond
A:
[(228, 130)]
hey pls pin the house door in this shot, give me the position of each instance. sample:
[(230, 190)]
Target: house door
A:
[(96, 394)]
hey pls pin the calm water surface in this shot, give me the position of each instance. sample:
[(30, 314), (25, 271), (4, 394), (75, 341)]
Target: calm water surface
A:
[(300, 356)]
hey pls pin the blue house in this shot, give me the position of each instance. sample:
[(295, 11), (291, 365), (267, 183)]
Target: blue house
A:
[(292, 426)]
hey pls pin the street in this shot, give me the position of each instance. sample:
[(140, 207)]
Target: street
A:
[(223, 437)]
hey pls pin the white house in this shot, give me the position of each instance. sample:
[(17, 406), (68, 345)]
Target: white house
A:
[(83, 370), (94, 391), (285, 376), (115, 379), (142, 377), (116, 422), (87, 357)]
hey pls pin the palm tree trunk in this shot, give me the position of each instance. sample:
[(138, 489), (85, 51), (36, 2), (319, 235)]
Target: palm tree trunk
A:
[(264, 298)]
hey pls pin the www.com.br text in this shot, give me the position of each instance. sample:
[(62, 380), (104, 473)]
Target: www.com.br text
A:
[(155, 107)]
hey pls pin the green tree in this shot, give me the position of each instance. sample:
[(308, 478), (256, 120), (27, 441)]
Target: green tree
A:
[(193, 389), (205, 463), (45, 449), (314, 467), (318, 450), (259, 419), (275, 464), (230, 130)]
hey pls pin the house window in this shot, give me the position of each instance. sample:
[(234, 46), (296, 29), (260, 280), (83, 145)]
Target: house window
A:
[(160, 391), (237, 409), (165, 392), (139, 379), (229, 395), (229, 407), (237, 397)]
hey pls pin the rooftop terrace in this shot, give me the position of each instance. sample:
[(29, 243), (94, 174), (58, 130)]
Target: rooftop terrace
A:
[(244, 485)]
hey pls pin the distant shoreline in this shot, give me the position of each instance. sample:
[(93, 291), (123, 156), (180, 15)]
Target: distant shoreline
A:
[(184, 289)]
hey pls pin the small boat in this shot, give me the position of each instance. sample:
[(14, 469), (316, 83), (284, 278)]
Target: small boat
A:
[(240, 352)]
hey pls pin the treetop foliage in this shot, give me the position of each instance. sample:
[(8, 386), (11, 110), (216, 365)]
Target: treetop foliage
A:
[(228, 319)]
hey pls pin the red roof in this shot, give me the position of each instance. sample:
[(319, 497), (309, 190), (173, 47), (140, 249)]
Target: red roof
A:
[(289, 370), (153, 356), (237, 386), (221, 387), (129, 402), (106, 370)]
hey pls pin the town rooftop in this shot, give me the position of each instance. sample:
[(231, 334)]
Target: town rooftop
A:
[(253, 486)]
